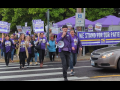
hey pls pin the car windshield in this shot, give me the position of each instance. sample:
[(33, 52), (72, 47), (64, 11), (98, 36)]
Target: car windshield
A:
[(118, 44)]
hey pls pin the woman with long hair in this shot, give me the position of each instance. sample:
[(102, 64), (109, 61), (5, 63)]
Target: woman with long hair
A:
[(22, 50), (7, 48), (30, 48), (42, 42), (35, 51), (13, 47), (73, 55)]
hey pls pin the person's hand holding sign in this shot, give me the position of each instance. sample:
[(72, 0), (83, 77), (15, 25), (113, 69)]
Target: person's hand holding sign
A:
[(47, 43), (38, 36)]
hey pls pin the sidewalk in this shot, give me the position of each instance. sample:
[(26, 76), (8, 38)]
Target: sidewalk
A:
[(46, 59)]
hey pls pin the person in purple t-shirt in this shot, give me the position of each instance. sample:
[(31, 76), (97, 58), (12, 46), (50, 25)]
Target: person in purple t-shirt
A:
[(22, 50), (42, 42), (30, 51), (7, 48), (66, 49), (35, 51), (13, 47), (78, 46)]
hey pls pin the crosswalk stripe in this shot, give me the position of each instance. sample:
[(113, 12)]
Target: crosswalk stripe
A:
[(11, 65), (60, 79), (36, 70), (37, 66), (1, 64), (31, 75), (54, 79), (18, 67)]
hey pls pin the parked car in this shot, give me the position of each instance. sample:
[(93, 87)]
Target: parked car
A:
[(108, 57)]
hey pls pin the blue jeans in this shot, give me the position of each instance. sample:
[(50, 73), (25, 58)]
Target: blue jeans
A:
[(73, 60), (2, 53), (35, 58), (12, 54)]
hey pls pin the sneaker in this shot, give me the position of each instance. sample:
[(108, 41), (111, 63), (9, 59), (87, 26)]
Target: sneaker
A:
[(36, 63), (30, 63), (71, 74)]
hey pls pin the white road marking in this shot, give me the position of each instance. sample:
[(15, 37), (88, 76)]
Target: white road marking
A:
[(37, 70), (31, 75), (54, 79), (60, 79), (19, 67)]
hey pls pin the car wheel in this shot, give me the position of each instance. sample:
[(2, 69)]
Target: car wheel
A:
[(118, 65)]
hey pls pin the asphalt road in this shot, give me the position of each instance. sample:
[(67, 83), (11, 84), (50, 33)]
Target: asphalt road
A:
[(52, 71)]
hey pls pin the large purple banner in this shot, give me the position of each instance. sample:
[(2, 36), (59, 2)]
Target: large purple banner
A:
[(99, 38)]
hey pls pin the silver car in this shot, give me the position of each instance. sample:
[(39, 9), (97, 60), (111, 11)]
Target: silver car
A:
[(108, 57)]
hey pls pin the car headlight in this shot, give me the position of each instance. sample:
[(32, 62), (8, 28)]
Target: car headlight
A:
[(107, 55)]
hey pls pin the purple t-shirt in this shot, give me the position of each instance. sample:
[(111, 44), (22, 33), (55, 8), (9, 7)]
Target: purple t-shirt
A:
[(7, 45), (22, 47), (29, 48), (43, 42), (13, 46), (76, 42), (68, 42)]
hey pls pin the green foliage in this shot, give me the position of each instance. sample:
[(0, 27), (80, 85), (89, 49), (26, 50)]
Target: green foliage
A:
[(97, 13), (18, 16)]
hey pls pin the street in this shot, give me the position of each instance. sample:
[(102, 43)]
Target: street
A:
[(52, 71)]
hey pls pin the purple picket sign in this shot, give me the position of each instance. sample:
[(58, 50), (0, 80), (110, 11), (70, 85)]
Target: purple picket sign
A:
[(38, 26), (4, 27)]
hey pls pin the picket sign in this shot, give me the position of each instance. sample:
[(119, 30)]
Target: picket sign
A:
[(4, 27), (38, 26)]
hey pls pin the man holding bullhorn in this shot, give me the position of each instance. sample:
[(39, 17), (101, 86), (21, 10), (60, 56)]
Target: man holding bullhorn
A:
[(65, 43)]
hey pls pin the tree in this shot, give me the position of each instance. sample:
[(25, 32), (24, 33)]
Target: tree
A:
[(18, 16), (7, 14), (97, 13), (117, 11), (56, 14)]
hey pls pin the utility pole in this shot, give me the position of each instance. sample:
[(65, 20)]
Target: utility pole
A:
[(48, 23), (48, 31), (79, 10)]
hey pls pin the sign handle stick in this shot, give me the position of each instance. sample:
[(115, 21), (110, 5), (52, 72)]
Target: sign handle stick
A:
[(55, 41), (38, 36), (55, 38)]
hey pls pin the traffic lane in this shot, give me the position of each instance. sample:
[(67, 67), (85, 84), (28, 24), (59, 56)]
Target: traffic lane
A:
[(93, 71)]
